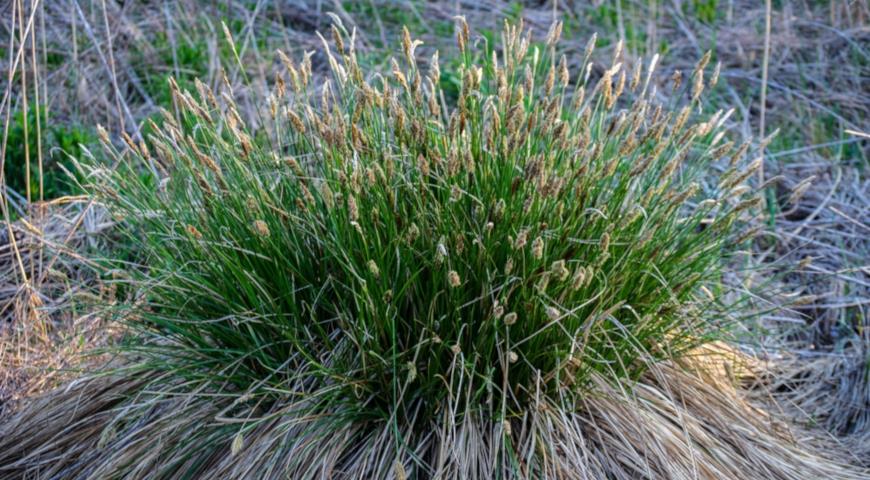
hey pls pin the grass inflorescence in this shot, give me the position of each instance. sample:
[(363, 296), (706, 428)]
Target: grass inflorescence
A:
[(370, 254)]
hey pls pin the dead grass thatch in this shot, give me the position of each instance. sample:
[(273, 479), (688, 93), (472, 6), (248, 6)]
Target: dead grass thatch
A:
[(684, 420), (43, 278)]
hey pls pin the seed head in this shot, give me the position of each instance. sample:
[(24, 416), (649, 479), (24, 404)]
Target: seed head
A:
[(434, 69), (714, 79), (510, 319), (434, 109), (620, 85), (607, 88), (706, 291), (261, 228), (412, 371), (296, 121), (800, 189), (400, 76), (677, 79), (327, 195), (538, 248), (554, 34), (617, 52), (522, 239), (558, 269), (805, 300), (590, 46), (747, 204), (440, 252), (194, 232), (306, 67), (513, 357), (528, 79), (604, 243), (704, 61), (371, 177), (707, 204), (500, 206), (543, 282), (103, 134), (400, 471), (453, 279), (739, 153), (805, 263), (353, 210), (423, 165), (413, 233), (698, 85), (462, 34), (238, 443), (508, 266), (682, 117), (497, 310), (550, 82), (306, 194), (553, 313), (635, 76), (251, 203), (373, 268), (579, 278), (564, 76), (460, 243)]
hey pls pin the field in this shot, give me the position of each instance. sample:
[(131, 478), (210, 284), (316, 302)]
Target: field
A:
[(435, 239)]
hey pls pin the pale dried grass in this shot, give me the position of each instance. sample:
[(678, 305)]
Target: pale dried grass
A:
[(44, 283), (680, 421)]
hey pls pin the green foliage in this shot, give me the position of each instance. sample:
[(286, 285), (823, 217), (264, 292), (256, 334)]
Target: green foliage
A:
[(185, 55), (388, 258), (59, 143), (705, 10), (390, 16), (514, 11), (54, 58), (184, 61), (607, 16)]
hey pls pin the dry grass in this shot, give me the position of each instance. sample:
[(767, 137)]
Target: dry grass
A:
[(819, 346), (676, 423), (827, 389), (43, 276), (825, 233)]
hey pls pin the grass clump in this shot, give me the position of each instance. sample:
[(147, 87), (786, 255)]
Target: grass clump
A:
[(371, 268)]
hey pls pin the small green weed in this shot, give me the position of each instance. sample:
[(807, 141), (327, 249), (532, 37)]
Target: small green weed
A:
[(59, 143)]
